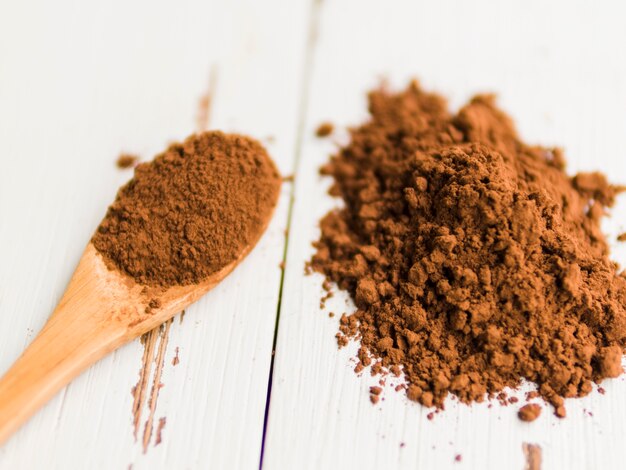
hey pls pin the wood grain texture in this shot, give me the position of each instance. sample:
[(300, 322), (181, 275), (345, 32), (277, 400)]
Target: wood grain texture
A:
[(559, 71)]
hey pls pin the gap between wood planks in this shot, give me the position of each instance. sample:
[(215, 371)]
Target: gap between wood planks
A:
[(307, 72)]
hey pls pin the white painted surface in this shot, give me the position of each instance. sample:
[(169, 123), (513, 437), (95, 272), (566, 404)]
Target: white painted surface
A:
[(80, 82)]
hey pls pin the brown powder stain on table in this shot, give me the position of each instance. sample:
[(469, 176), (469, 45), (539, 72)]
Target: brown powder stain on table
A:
[(203, 115), (176, 359), (532, 452), (139, 391), (146, 391), (159, 432)]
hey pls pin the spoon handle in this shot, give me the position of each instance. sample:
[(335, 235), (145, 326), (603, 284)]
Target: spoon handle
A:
[(85, 326), (100, 311), (71, 341)]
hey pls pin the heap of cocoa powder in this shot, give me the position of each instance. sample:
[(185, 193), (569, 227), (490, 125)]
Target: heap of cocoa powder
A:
[(190, 211), (474, 260)]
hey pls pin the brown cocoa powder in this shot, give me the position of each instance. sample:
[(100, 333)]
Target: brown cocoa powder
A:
[(529, 412), (324, 129), (190, 211), (474, 260), (126, 160)]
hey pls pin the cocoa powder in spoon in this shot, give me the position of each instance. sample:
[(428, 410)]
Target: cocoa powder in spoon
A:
[(475, 261), (190, 211)]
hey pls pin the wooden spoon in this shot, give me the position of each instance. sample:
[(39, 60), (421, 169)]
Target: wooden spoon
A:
[(101, 310)]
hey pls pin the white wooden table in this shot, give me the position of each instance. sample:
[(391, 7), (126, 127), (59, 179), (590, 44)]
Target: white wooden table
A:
[(82, 81)]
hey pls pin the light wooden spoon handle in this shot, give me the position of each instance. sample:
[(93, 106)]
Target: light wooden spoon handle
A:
[(101, 310), (58, 354)]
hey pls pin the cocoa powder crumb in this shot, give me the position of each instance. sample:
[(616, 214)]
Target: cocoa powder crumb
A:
[(531, 395), (474, 260), (560, 411), (342, 340), (159, 433), (191, 211), (126, 160), (529, 412), (621, 237), (324, 129)]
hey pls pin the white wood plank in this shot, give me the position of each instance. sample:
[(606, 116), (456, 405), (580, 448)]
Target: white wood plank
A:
[(559, 69), (80, 82)]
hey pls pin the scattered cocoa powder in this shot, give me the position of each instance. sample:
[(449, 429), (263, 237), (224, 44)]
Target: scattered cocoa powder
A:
[(529, 412), (531, 395), (324, 129), (190, 211), (126, 160), (474, 260), (376, 390)]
